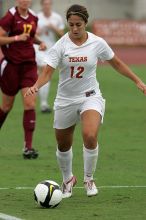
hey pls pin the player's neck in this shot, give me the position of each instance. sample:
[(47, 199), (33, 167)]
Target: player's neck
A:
[(23, 12), (79, 41)]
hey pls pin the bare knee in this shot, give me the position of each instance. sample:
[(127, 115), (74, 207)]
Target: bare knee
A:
[(29, 103), (90, 140), (64, 145), (64, 138), (6, 107)]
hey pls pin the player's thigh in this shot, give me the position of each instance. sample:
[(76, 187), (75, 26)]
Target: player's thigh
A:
[(65, 120), (90, 122), (92, 113)]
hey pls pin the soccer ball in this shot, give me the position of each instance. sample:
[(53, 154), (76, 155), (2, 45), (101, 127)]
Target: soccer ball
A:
[(48, 194)]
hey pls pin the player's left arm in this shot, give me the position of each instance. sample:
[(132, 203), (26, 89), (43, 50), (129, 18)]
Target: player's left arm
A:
[(123, 69), (37, 40)]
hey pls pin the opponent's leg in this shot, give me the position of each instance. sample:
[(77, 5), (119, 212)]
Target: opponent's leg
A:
[(29, 120), (6, 106)]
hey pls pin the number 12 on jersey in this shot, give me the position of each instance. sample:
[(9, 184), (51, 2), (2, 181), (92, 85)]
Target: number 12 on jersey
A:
[(79, 73)]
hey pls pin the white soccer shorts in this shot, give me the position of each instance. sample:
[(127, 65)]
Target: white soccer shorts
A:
[(68, 116)]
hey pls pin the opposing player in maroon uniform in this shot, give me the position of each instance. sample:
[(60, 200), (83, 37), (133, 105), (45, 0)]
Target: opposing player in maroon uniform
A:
[(18, 67)]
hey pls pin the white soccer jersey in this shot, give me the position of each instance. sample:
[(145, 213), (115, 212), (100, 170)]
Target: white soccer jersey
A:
[(48, 35), (77, 67)]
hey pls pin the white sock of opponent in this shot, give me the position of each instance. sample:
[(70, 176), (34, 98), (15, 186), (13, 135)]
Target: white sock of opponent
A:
[(90, 160), (43, 94), (65, 163)]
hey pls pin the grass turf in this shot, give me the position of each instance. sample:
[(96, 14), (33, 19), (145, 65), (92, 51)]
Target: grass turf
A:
[(121, 159)]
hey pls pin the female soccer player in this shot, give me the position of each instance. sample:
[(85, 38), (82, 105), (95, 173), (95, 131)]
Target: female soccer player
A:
[(78, 96), (50, 26), (18, 67)]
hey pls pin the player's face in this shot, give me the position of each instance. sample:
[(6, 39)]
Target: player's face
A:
[(47, 6), (76, 26), (24, 4)]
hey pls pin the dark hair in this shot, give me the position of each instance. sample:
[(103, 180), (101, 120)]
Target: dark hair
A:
[(79, 10)]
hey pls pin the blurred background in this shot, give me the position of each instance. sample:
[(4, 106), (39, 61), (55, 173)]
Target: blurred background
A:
[(122, 23), (100, 9)]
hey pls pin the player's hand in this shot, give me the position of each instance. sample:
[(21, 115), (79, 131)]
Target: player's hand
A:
[(31, 91), (42, 46), (23, 37), (142, 87)]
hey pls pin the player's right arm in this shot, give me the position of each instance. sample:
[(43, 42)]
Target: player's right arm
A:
[(4, 39), (43, 78)]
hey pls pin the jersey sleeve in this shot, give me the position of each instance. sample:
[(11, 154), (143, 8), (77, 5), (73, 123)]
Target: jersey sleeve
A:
[(106, 53), (53, 56), (6, 21)]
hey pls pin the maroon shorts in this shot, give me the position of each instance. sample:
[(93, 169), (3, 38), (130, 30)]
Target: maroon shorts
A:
[(14, 77)]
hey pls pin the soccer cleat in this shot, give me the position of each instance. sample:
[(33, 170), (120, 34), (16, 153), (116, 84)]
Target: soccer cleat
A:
[(91, 188), (67, 187), (46, 109), (30, 153)]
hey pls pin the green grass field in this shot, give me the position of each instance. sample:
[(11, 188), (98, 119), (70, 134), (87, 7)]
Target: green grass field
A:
[(121, 170)]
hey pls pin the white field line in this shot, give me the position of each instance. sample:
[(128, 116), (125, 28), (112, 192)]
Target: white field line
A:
[(78, 187), (110, 187), (8, 217)]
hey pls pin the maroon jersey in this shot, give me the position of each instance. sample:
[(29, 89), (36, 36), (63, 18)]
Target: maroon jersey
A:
[(14, 24)]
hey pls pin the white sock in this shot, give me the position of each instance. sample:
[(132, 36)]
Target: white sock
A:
[(65, 163), (43, 94), (90, 160)]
